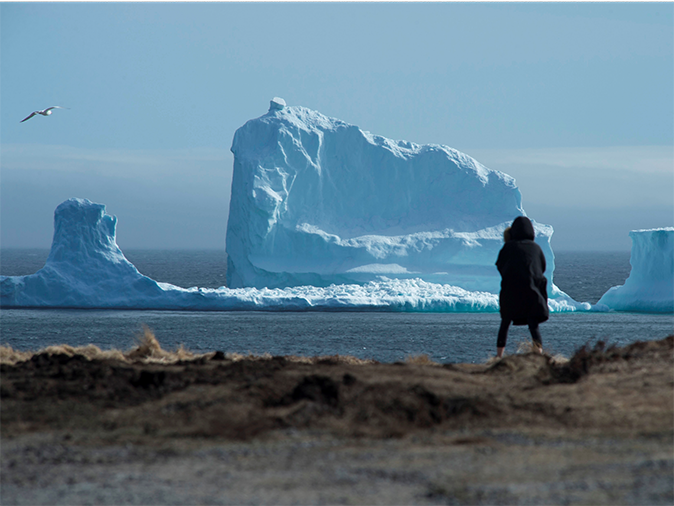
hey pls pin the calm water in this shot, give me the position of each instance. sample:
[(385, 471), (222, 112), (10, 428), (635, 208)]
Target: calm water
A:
[(450, 337)]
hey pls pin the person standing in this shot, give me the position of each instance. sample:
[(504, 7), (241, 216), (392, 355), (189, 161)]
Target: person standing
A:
[(524, 297)]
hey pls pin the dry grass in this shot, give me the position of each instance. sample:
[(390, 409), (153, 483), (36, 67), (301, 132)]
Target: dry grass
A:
[(530, 347), (524, 347), (336, 359), (420, 360), (299, 359), (236, 357), (9, 355), (90, 351), (149, 351)]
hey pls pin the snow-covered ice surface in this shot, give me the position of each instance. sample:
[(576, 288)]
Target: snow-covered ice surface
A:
[(650, 285), (86, 269)]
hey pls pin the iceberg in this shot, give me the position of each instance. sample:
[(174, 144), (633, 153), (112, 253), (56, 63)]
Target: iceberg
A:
[(87, 269), (317, 201), (650, 285)]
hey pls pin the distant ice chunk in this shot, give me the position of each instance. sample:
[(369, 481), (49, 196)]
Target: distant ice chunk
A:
[(276, 104), (650, 285)]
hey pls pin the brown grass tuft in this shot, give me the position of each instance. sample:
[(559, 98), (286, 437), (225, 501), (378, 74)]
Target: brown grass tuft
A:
[(148, 350), (9, 355), (351, 360), (330, 359), (89, 351), (419, 360), (526, 347), (147, 347), (236, 357)]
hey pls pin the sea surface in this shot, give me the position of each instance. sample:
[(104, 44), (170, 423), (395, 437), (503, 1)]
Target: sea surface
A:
[(387, 337)]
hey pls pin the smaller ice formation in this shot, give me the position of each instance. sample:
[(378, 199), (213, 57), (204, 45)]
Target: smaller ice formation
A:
[(650, 285), (86, 269), (276, 104)]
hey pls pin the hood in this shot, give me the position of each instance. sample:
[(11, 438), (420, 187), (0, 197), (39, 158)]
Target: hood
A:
[(521, 229)]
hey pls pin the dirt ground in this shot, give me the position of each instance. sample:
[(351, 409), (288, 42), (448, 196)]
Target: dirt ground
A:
[(220, 429)]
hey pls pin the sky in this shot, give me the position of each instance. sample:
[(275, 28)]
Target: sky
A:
[(574, 100)]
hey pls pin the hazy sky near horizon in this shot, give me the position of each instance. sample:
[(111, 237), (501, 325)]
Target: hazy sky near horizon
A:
[(574, 100)]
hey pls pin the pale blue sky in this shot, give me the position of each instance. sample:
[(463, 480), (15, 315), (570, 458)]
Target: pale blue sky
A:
[(576, 101)]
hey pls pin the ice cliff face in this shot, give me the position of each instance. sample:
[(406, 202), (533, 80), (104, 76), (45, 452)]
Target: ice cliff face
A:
[(650, 285), (317, 201)]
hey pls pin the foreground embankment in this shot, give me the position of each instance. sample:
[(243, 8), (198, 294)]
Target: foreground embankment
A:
[(151, 427)]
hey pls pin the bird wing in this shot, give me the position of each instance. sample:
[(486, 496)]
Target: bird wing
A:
[(33, 114)]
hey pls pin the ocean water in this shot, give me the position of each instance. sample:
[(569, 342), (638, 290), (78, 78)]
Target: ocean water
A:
[(387, 337)]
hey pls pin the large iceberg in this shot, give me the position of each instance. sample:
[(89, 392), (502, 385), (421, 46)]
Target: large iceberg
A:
[(650, 285), (316, 201), (86, 269)]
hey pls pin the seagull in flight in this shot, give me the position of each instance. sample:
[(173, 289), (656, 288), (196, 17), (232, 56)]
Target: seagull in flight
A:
[(44, 112)]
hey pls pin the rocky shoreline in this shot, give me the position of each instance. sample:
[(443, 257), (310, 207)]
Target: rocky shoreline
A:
[(220, 429)]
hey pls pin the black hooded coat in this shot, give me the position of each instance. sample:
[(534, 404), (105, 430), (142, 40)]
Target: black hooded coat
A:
[(524, 296)]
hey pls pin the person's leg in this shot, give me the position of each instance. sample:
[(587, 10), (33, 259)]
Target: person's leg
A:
[(502, 337), (536, 336)]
